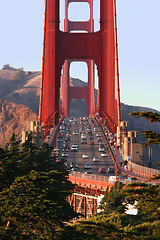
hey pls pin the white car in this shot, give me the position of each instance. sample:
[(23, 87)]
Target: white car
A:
[(59, 140), (74, 149), (101, 150), (73, 165), (98, 135), (56, 149), (75, 133), (85, 156), (103, 154), (87, 166), (75, 146), (96, 159), (64, 154)]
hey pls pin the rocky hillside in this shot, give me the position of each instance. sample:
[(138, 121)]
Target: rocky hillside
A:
[(13, 118), (20, 102)]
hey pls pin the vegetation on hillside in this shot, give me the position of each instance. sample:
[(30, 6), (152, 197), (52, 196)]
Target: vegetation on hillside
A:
[(153, 137), (8, 67)]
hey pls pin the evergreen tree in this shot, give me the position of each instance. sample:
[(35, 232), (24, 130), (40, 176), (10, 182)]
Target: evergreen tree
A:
[(114, 223), (34, 191), (36, 203), (113, 199), (153, 137), (9, 162), (28, 155)]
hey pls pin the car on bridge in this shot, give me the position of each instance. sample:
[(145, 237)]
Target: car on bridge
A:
[(98, 135), (73, 165), (65, 150), (85, 156), (101, 149), (102, 170), (83, 141), (64, 154), (87, 166), (75, 133), (110, 170), (59, 140), (104, 154), (74, 148), (56, 149), (96, 159), (99, 140), (91, 137), (131, 179)]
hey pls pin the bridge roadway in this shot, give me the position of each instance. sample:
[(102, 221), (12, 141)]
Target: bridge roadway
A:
[(72, 129)]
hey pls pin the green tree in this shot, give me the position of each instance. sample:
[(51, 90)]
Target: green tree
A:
[(36, 203), (9, 162), (153, 137), (7, 66), (147, 197), (113, 199), (28, 155), (34, 191), (114, 223)]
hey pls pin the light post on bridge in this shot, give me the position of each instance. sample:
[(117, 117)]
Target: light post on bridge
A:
[(116, 164)]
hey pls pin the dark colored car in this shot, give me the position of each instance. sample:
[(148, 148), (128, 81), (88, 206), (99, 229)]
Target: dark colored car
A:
[(102, 170), (111, 170)]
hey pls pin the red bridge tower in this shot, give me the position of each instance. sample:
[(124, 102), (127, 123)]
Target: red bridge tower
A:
[(62, 48)]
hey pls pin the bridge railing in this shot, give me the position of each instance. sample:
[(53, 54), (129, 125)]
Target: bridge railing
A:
[(112, 154), (55, 130), (102, 181), (144, 171), (89, 176)]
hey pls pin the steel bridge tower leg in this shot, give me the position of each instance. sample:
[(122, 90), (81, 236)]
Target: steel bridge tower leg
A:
[(98, 47), (49, 99)]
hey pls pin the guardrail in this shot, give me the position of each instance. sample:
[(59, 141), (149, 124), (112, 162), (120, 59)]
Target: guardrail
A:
[(55, 131), (143, 171), (89, 176), (90, 181), (101, 182), (112, 154)]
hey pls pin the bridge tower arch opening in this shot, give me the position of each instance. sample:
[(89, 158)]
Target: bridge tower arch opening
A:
[(81, 111)]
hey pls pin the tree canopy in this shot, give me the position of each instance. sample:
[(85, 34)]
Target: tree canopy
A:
[(33, 192), (114, 223), (153, 137)]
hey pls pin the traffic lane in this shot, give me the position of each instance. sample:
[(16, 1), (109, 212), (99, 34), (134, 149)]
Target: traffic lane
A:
[(91, 150)]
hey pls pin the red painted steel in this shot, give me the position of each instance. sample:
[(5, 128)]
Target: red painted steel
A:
[(68, 92), (90, 183), (98, 47)]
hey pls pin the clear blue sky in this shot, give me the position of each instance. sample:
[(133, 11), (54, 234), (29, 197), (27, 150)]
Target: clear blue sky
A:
[(21, 26)]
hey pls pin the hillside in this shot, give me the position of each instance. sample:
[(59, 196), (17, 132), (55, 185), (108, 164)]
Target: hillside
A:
[(14, 118), (23, 97)]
